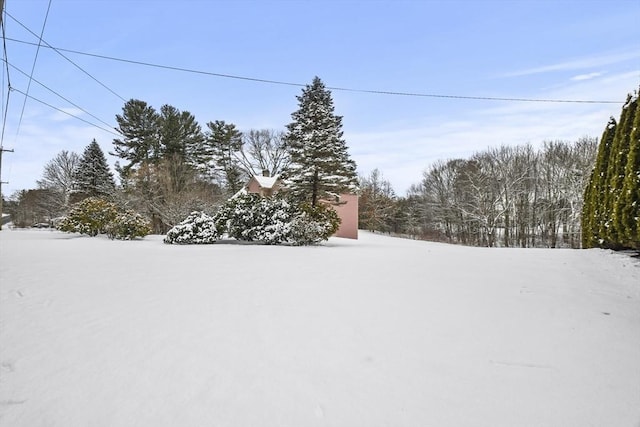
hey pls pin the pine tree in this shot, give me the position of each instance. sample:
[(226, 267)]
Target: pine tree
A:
[(140, 142), (617, 166), (92, 176), (179, 134), (180, 138), (222, 141), (611, 214), (629, 202), (320, 166), (594, 213)]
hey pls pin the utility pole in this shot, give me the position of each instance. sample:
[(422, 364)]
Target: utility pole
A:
[(2, 149), (2, 182)]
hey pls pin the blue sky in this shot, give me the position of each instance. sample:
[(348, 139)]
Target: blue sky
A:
[(544, 49)]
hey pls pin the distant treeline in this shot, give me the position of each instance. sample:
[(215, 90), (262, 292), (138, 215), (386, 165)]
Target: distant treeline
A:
[(507, 196)]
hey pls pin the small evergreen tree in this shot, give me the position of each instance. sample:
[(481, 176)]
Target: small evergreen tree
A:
[(320, 166), (92, 176)]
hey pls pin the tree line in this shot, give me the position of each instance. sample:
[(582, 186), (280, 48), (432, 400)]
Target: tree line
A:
[(583, 193), (506, 196), (168, 166)]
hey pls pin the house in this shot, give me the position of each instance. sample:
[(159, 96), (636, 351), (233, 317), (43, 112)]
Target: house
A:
[(264, 186), (346, 206)]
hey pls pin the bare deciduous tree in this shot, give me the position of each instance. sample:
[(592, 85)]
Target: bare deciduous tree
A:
[(509, 196), (58, 178), (263, 152), (377, 207)]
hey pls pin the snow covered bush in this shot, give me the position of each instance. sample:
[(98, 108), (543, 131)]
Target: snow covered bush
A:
[(235, 212), (197, 228), (275, 221), (93, 216), (252, 218), (312, 225), (127, 226), (89, 216)]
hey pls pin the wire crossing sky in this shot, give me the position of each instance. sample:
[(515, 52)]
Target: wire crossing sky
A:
[(415, 81), (278, 82)]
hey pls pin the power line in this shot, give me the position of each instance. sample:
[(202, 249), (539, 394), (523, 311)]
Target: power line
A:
[(5, 58), (65, 112), (33, 67), (60, 96), (343, 89), (59, 52)]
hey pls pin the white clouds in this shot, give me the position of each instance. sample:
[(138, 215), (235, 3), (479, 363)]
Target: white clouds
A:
[(402, 151), (588, 76), (41, 137), (594, 61), (66, 114)]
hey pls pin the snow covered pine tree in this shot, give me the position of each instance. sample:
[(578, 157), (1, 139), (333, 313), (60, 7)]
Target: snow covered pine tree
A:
[(92, 177), (320, 166)]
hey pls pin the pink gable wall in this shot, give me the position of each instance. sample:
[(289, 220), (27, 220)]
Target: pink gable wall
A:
[(348, 213), (347, 209), (253, 186)]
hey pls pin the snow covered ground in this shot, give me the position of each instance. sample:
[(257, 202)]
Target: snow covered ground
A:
[(374, 332)]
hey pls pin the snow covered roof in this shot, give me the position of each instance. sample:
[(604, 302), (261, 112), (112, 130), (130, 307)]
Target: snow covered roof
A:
[(266, 181), (240, 192)]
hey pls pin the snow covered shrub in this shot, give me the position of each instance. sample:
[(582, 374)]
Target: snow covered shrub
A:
[(275, 220), (235, 213), (312, 224), (253, 218), (93, 216), (197, 228), (127, 226), (89, 216)]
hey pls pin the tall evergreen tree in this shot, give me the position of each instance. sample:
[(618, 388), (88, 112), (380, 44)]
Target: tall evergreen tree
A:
[(594, 212), (179, 134), (617, 167), (222, 141), (180, 138), (140, 143), (611, 216), (320, 166), (629, 203), (93, 177)]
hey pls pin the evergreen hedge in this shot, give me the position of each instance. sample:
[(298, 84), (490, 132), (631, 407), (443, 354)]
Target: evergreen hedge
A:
[(611, 211)]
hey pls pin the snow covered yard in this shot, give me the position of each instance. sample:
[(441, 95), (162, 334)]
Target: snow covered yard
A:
[(374, 332)]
